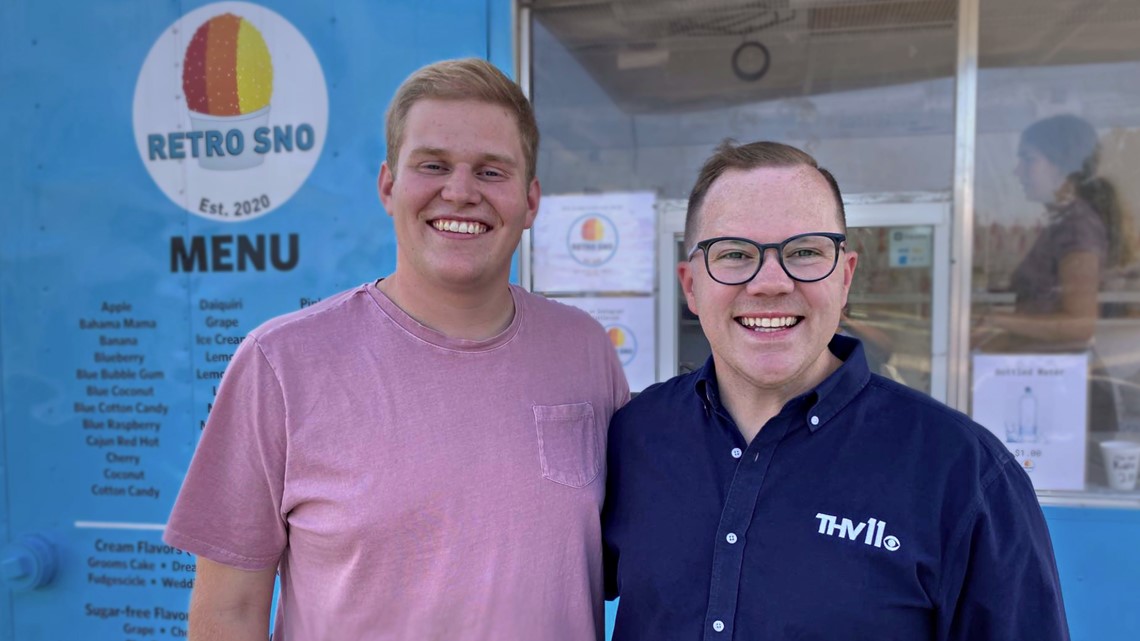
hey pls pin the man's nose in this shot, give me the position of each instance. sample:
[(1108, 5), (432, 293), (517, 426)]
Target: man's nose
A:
[(771, 279), (461, 187)]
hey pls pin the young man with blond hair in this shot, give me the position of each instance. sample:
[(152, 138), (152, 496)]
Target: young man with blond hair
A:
[(420, 457)]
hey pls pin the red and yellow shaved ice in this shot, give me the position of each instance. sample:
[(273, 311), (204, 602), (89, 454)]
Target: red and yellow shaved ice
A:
[(592, 229), (617, 337), (227, 70)]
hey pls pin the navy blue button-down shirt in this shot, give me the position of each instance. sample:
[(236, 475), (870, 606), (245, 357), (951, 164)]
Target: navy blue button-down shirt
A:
[(863, 510)]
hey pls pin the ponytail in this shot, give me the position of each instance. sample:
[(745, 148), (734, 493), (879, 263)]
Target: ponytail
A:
[(1101, 194)]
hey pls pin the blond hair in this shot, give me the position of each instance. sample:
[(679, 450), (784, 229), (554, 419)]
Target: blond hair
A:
[(462, 79)]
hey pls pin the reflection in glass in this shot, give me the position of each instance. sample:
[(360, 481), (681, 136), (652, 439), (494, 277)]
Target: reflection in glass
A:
[(1056, 267), (1084, 234), (889, 306), (634, 95)]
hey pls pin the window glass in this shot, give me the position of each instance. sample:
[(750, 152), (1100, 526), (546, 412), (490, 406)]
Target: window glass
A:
[(635, 94), (1055, 326)]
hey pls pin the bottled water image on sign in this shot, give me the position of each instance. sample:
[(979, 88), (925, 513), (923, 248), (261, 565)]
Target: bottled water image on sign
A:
[(1027, 417)]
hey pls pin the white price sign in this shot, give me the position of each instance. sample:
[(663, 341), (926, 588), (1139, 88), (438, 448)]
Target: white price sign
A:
[(1037, 404)]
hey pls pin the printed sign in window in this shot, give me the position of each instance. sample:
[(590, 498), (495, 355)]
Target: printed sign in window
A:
[(911, 246), (1037, 405), (595, 243), (629, 322)]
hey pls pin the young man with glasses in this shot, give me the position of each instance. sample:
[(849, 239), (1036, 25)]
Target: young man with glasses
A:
[(783, 491)]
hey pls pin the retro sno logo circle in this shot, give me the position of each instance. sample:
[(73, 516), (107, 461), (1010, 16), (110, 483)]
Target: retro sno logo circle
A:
[(230, 111), (624, 342), (592, 240)]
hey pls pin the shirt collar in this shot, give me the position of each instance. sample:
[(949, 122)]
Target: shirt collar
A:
[(824, 401)]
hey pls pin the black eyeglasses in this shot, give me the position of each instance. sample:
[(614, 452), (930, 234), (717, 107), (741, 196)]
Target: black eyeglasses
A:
[(804, 257)]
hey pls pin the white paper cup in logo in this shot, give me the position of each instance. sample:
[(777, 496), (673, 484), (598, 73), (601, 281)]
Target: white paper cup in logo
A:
[(1121, 463), (231, 129)]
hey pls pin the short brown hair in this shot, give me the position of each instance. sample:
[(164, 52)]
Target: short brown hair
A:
[(754, 155), (462, 79)]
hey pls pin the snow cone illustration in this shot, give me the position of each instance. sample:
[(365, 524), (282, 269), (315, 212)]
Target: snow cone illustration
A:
[(617, 337), (227, 78), (593, 229), (624, 342)]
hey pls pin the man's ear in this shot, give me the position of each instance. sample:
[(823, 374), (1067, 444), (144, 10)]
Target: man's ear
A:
[(384, 185), (685, 275), (533, 195), (850, 260)]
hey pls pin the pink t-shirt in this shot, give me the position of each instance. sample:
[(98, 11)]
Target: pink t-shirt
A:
[(412, 486)]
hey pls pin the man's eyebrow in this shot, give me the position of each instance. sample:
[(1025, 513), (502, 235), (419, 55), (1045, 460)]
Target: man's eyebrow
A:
[(427, 151), (485, 158), (499, 160)]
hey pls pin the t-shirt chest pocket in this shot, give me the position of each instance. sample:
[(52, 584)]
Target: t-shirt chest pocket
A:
[(569, 449)]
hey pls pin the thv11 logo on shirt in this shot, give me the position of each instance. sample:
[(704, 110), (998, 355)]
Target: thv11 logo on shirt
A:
[(872, 531)]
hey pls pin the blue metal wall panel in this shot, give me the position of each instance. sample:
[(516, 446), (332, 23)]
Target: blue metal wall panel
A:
[(86, 240), (1098, 556)]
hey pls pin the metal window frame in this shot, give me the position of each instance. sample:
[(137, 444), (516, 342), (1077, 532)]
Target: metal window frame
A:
[(962, 219), (521, 48)]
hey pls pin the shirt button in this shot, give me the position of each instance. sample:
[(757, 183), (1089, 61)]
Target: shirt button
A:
[(718, 625), (815, 420), (737, 453), (731, 538)]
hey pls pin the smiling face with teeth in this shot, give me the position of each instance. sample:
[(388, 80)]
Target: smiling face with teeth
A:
[(769, 336), (459, 197)]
